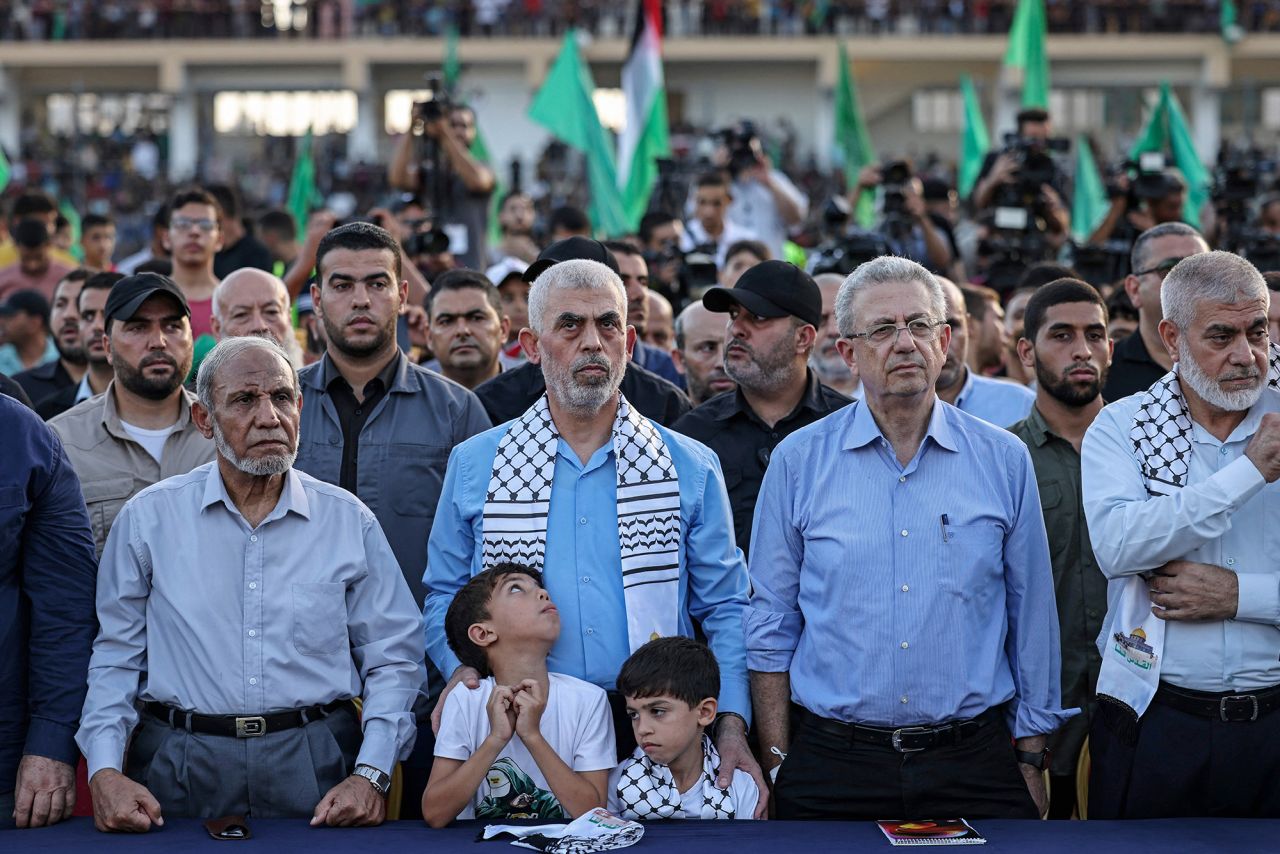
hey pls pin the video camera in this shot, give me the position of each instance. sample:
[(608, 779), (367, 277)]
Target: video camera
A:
[(1036, 165), (1240, 177), (435, 106), (743, 142), (841, 252)]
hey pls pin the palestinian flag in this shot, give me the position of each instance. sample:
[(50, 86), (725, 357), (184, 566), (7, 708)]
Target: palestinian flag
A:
[(644, 138)]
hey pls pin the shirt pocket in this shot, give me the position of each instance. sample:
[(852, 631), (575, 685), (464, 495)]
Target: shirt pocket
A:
[(104, 499), (972, 558), (1050, 494), (413, 476), (319, 617)]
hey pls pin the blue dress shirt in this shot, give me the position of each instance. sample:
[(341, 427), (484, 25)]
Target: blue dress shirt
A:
[(47, 576), (583, 563), (905, 595), (999, 402)]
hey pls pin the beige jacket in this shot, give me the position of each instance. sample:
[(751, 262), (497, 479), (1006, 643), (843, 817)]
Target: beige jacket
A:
[(112, 467)]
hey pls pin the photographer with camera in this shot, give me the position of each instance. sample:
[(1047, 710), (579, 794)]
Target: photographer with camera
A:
[(905, 222), (434, 160), (764, 201), (1025, 169), (1152, 196)]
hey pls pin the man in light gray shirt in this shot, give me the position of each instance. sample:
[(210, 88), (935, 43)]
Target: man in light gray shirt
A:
[(243, 605)]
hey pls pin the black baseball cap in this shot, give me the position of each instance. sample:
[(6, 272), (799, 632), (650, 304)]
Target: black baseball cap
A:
[(771, 289), (571, 249), (26, 302), (128, 295)]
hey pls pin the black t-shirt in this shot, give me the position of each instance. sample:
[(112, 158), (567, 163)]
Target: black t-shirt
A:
[(1132, 369), (510, 394), (248, 251), (44, 380)]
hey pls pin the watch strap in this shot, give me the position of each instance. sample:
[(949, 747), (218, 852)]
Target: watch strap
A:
[(380, 780), (1039, 761)]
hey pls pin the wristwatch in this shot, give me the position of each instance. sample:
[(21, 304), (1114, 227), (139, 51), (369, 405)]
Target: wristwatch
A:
[(1038, 761), (379, 780)]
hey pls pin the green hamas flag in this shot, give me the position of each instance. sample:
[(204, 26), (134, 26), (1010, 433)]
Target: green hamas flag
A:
[(1090, 203), (1167, 130), (6, 171), (452, 67), (974, 142), (1026, 52), (853, 141), (564, 106), (303, 193), (1228, 23)]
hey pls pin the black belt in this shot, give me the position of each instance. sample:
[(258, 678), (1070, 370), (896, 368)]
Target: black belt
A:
[(241, 726), (1229, 706), (911, 739)]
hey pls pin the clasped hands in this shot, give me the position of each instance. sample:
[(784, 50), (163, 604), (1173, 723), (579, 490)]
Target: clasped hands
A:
[(516, 710)]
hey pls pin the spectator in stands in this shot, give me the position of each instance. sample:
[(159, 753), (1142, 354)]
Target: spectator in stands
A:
[(47, 575), (253, 302), (739, 258), (699, 352), (1123, 316), (378, 425), (996, 401), (1182, 519), (765, 204), (989, 337), (1065, 346), (140, 431), (584, 448), (24, 327), (511, 393), (826, 361), (515, 222), (158, 247), (47, 379), (63, 234), (710, 228), (659, 332), (195, 236), (468, 183), (263, 530), (239, 248), (567, 221), (279, 233), (1141, 359), (38, 206), (36, 268), (90, 303), (944, 656), (774, 314), (468, 328), (97, 242)]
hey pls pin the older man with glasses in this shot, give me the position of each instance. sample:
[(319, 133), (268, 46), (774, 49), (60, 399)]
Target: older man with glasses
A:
[(902, 594), (1141, 359)]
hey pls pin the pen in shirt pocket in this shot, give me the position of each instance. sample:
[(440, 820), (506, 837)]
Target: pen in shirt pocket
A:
[(944, 520)]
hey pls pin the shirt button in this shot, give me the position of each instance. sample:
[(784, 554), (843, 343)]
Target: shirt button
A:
[(252, 633), (253, 538), (1231, 561), (904, 532), (586, 579), (582, 521), (254, 681), (591, 631), (904, 644), (903, 699), (905, 588), (902, 479), (359, 412), (253, 585), (1222, 451)]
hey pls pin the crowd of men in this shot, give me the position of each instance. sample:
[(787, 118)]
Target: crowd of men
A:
[(936, 534)]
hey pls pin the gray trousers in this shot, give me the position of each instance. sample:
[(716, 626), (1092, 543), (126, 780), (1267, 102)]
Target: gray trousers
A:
[(279, 775)]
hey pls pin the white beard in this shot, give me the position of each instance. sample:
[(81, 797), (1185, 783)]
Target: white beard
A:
[(1212, 393)]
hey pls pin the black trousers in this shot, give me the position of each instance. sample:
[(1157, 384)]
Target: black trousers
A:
[(1182, 765), (829, 777)]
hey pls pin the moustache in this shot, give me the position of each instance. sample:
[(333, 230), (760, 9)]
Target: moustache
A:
[(158, 359), (1081, 366), (1247, 374), (593, 360)]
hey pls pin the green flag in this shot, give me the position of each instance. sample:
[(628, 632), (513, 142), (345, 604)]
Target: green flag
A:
[(974, 142), (564, 106), (6, 171), (1089, 205), (69, 211), (1167, 131), (1228, 23), (303, 194), (853, 141), (1026, 52), (452, 67)]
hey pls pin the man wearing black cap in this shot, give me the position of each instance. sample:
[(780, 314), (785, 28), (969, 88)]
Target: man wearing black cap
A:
[(774, 314), (139, 431), (36, 269), (24, 329), (510, 394)]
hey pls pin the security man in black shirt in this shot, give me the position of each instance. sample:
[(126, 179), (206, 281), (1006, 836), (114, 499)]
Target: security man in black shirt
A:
[(774, 311)]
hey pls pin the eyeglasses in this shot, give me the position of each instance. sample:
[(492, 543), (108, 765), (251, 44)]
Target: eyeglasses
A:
[(181, 223), (921, 329), (1162, 268)]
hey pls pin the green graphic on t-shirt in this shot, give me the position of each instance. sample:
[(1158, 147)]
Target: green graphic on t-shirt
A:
[(512, 794)]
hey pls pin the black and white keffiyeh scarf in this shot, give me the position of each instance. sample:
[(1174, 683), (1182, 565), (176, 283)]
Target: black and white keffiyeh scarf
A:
[(647, 790), (1161, 437), (518, 501)]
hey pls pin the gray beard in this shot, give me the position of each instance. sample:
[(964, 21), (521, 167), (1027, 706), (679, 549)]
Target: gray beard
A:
[(257, 467), (586, 399), (1209, 390)]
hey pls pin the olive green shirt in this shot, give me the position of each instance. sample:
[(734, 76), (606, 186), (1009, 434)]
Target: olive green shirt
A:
[(1079, 585)]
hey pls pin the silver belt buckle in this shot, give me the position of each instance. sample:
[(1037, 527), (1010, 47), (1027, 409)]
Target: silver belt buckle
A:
[(1222, 708), (896, 738), (251, 727)]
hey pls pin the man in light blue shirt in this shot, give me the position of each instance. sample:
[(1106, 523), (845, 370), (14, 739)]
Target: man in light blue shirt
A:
[(902, 589), (1180, 493), (566, 488), (998, 402), (242, 606)]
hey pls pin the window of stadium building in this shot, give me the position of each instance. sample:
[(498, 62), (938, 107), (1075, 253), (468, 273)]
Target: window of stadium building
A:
[(284, 113)]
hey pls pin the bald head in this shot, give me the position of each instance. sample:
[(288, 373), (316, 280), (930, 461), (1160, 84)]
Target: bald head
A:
[(658, 326), (699, 351), (254, 302)]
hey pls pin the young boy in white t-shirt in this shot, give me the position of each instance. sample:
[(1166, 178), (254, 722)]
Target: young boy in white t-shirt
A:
[(527, 743), (670, 686)]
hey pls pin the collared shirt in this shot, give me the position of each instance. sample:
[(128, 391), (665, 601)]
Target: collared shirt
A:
[(65, 398), (400, 450), (998, 402), (45, 380), (583, 561), (903, 595), (510, 394), (727, 425), (303, 609), (11, 363), (754, 207), (1132, 368), (113, 467), (352, 413), (1080, 586), (658, 361), (695, 235), (1225, 515), (47, 577)]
